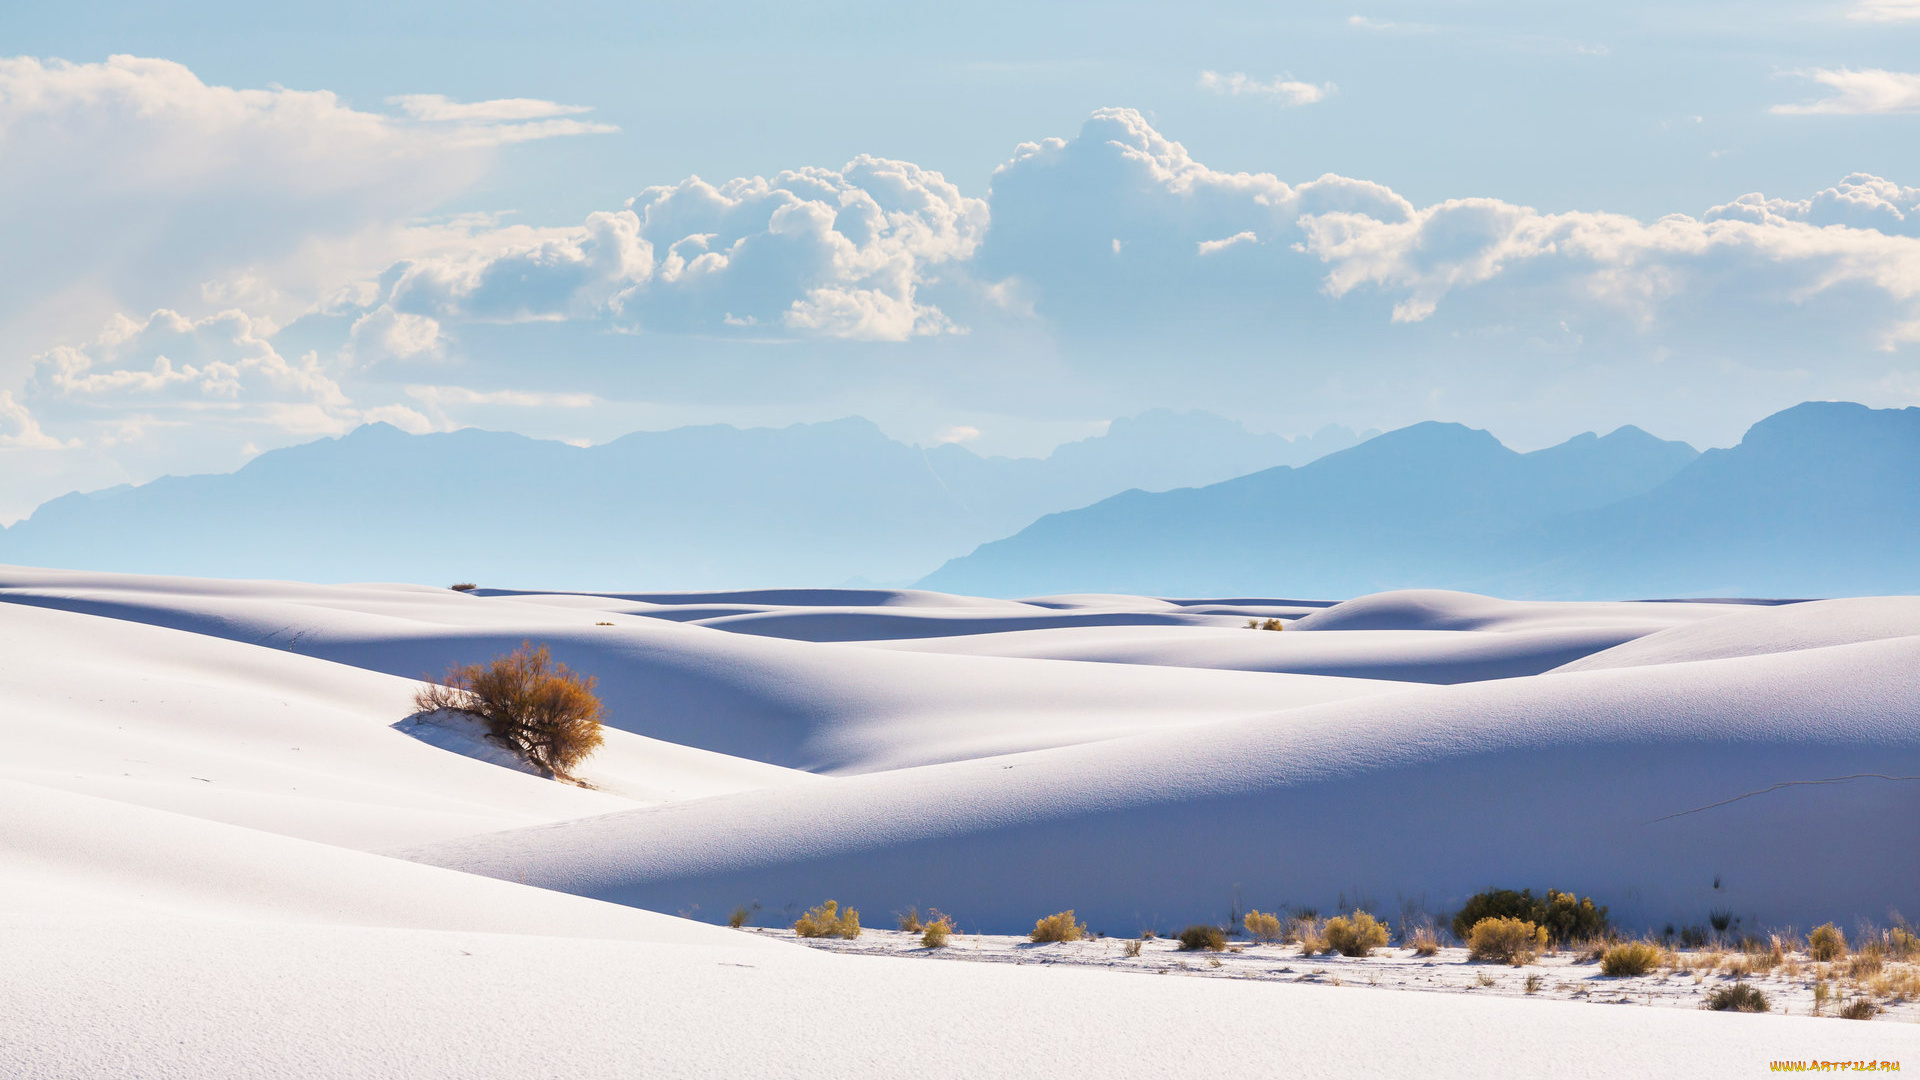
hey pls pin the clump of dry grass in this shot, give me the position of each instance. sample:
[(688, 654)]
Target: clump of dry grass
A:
[(1264, 928), (910, 921), (1868, 961), (1268, 624), (1133, 947), (1630, 958), (1355, 935), (1311, 935), (1858, 1009), (1740, 997), (936, 930), (1058, 927), (1424, 941), (828, 920), (1505, 940), (739, 917), (1200, 936), (529, 702), (1902, 943), (1826, 943)]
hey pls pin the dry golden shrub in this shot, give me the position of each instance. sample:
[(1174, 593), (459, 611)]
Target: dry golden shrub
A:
[(1505, 941), (739, 917), (828, 920), (936, 931), (1423, 941), (1356, 935), (1200, 936), (1264, 928), (1133, 947), (910, 921), (1826, 943), (1902, 944), (528, 701), (1630, 958), (1311, 935), (1058, 927)]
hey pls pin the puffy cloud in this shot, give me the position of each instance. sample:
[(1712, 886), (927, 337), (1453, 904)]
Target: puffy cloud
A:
[(1885, 11), (812, 252), (19, 430), (131, 184), (1869, 91), (1287, 91), (1861, 201)]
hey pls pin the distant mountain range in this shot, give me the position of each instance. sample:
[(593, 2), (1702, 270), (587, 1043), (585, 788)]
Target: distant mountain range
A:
[(697, 507), (1819, 500)]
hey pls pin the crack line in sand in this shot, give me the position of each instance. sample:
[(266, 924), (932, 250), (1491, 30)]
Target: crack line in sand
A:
[(1783, 784)]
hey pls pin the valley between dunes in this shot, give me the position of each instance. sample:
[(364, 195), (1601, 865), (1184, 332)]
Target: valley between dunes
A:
[(230, 851)]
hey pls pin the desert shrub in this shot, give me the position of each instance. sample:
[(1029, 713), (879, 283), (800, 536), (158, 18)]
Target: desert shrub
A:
[(463, 586), (1740, 997), (529, 702), (1902, 944), (1826, 943), (1423, 941), (1858, 1009), (1533, 984), (1357, 935), (1867, 962), (910, 921), (1133, 947), (1564, 916), (1630, 958), (828, 920), (1197, 937), (935, 932), (1506, 941), (1263, 928), (1058, 927), (739, 917)]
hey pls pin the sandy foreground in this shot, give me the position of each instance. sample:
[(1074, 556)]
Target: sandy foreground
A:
[(231, 851)]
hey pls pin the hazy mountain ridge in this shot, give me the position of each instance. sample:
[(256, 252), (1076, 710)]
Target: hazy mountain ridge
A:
[(1817, 500), (695, 507)]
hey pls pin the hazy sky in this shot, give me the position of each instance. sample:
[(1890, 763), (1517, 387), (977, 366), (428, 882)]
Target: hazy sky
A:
[(228, 227)]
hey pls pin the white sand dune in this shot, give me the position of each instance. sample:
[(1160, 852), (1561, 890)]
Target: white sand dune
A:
[(206, 783)]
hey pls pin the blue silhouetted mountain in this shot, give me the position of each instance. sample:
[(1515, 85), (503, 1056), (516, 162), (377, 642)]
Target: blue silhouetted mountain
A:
[(697, 507), (1433, 505), (1822, 499)]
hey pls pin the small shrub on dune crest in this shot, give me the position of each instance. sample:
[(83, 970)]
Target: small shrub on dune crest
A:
[(1267, 624), (1058, 927), (1505, 941), (529, 702), (1423, 941), (1133, 947), (1630, 958), (1355, 935), (1826, 943), (739, 917), (1740, 997), (1263, 928), (910, 921), (1197, 937), (463, 586), (935, 932), (828, 920)]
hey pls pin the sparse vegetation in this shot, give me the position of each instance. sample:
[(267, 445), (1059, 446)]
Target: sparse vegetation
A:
[(1505, 940), (1133, 947), (1563, 916), (1058, 927), (910, 921), (1858, 1009), (1826, 944), (463, 586), (935, 932), (1533, 984), (739, 917), (1264, 928), (1355, 935), (1199, 936), (1312, 937), (529, 702), (1265, 624), (1423, 941), (1902, 944), (828, 920), (1630, 958), (1740, 997)]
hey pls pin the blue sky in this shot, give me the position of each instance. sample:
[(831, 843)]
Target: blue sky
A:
[(272, 223)]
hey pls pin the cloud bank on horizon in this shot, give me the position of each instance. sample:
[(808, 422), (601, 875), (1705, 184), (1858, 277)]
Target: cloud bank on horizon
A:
[(206, 271)]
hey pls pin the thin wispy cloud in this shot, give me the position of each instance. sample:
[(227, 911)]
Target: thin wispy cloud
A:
[(1872, 91), (1387, 26), (1285, 90), (1886, 11)]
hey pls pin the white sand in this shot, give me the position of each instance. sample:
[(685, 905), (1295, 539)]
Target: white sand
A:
[(205, 782)]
